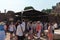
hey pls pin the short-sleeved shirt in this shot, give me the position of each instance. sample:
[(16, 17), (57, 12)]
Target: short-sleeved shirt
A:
[(38, 28), (1, 27), (11, 27)]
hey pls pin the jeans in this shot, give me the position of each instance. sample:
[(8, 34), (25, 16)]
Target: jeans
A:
[(2, 35)]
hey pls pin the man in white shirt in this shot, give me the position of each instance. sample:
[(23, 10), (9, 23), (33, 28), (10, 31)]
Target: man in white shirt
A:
[(23, 25), (20, 30)]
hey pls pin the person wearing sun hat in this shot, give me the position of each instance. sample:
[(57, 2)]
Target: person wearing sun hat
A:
[(2, 30)]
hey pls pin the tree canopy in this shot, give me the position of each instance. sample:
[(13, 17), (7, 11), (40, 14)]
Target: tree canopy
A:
[(10, 12), (28, 7), (47, 10)]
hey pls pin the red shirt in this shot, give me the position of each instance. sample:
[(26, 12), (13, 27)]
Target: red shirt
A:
[(38, 28)]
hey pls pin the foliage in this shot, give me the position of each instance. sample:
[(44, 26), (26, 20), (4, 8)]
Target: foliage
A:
[(28, 7), (47, 10), (10, 12)]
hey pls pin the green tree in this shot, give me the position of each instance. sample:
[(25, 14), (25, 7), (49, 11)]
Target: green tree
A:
[(47, 10), (10, 12), (28, 7)]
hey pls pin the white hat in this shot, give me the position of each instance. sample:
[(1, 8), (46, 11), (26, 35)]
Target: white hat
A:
[(38, 21), (2, 23)]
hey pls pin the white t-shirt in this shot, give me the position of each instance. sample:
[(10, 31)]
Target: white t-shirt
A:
[(19, 30), (23, 25), (55, 25), (11, 27)]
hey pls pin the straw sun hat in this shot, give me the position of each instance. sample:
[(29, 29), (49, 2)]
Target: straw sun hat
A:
[(2, 23)]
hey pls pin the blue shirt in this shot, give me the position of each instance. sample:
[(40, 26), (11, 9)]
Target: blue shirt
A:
[(1, 27)]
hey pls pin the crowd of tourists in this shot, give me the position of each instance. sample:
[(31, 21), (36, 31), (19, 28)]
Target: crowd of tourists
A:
[(32, 28)]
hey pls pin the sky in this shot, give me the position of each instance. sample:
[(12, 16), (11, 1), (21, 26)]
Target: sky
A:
[(19, 5)]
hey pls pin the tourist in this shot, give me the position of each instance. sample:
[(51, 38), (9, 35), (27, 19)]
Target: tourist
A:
[(30, 30), (42, 29), (38, 29), (2, 31), (20, 31), (23, 25), (6, 30), (53, 28), (50, 32), (29, 26), (11, 29), (34, 26), (55, 25)]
